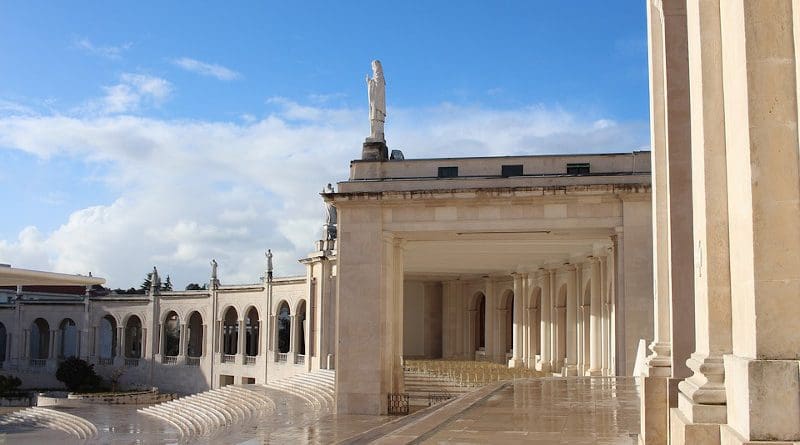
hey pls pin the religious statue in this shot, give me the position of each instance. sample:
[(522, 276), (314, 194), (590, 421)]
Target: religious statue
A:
[(330, 216), (213, 269), (376, 88), (269, 264), (155, 281)]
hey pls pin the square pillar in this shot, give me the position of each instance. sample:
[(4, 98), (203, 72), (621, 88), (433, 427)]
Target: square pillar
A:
[(760, 69), (369, 313)]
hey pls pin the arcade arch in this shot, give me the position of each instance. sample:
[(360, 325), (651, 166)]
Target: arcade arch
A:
[(283, 327), (68, 342), (133, 337), (195, 335), (40, 339), (230, 331)]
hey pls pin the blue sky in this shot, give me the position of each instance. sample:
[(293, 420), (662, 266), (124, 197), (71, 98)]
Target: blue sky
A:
[(172, 132)]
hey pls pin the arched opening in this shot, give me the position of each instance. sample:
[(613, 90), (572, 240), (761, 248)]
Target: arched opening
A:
[(172, 334), (2, 342), (284, 327), (68, 345), (108, 337), (480, 324), (230, 332), (300, 346), (133, 337), (195, 335), (251, 326), (40, 339), (561, 326)]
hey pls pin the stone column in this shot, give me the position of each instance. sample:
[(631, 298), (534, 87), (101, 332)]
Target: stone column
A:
[(51, 343), (760, 71), (516, 359), (551, 326), (293, 333), (571, 357), (702, 396), (273, 332), (145, 348), (182, 340), (489, 319), (524, 304), (586, 323), (618, 321), (667, 38), (544, 326), (120, 342), (471, 320), (240, 339), (202, 344), (595, 313)]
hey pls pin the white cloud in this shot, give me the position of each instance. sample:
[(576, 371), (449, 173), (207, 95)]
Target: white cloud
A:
[(133, 91), (191, 190), (107, 51), (206, 69)]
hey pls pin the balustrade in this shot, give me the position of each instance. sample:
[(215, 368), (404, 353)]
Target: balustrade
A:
[(281, 357), (169, 360), (228, 358), (38, 363), (299, 359), (249, 360), (192, 361), (131, 362)]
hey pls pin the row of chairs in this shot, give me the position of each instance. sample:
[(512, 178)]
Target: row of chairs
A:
[(469, 373)]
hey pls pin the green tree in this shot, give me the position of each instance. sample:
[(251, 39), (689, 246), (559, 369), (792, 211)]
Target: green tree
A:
[(146, 283), (77, 374), (167, 286), (193, 286)]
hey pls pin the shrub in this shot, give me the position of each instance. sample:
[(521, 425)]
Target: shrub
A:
[(9, 384), (78, 375)]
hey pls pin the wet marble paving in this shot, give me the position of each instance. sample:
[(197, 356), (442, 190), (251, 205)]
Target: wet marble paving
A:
[(546, 411), (549, 411)]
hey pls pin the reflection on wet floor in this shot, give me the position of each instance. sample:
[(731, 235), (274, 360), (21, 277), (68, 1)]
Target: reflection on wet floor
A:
[(545, 411), (550, 411)]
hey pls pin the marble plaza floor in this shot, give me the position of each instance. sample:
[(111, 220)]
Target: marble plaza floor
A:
[(540, 411), (549, 411)]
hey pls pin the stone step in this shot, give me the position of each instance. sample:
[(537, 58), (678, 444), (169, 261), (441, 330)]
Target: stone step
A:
[(51, 419)]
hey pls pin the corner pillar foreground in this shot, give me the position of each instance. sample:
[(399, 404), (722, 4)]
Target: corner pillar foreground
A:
[(760, 70), (369, 312)]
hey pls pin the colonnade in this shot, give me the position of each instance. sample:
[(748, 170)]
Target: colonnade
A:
[(561, 319)]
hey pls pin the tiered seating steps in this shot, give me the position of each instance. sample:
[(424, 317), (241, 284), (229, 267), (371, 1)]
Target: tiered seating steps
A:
[(316, 388), (207, 413), (39, 417)]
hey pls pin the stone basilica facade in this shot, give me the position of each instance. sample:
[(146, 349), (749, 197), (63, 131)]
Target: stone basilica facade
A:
[(531, 261)]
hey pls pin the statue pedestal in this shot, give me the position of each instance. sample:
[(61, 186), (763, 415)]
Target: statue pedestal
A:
[(375, 151)]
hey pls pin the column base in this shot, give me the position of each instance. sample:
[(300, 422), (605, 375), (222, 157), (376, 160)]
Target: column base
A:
[(542, 366), (701, 413), (516, 363), (729, 436), (763, 398), (684, 432), (570, 371)]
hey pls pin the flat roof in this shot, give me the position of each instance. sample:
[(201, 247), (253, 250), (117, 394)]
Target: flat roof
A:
[(12, 276)]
